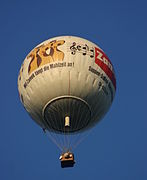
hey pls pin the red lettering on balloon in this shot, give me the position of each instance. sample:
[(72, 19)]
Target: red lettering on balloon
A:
[(105, 64)]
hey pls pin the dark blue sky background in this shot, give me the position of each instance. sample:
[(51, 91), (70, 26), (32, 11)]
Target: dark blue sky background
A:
[(116, 149)]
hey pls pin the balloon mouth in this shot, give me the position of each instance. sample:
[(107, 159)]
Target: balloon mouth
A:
[(57, 110)]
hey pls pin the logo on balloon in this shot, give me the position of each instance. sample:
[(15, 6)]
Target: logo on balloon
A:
[(44, 54), (83, 49), (20, 72), (104, 63)]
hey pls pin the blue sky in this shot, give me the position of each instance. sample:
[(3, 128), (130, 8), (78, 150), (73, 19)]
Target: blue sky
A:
[(116, 148)]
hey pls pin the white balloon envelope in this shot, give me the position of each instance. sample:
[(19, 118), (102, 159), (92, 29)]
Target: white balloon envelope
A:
[(67, 84)]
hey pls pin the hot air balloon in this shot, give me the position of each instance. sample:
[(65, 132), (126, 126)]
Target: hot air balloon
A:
[(66, 84)]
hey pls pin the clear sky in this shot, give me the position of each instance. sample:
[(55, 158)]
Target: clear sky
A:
[(116, 149)]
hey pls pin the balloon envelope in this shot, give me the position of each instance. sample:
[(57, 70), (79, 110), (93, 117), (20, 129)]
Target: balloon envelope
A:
[(70, 77)]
